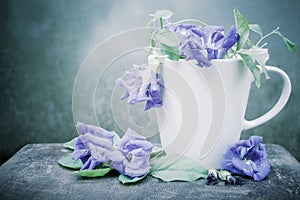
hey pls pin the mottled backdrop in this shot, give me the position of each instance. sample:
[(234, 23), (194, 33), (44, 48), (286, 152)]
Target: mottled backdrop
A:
[(43, 43)]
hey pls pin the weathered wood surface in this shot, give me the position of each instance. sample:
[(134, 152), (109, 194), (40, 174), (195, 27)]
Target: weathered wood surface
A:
[(33, 173)]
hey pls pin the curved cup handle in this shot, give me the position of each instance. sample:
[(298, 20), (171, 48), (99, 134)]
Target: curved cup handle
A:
[(284, 97)]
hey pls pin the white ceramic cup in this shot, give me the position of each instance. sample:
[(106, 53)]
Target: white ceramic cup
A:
[(204, 108)]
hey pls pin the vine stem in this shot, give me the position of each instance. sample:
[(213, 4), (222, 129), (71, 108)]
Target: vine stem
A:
[(191, 21), (264, 37), (161, 23)]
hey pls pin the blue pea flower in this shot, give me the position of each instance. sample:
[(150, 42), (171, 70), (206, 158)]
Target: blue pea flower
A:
[(182, 31), (153, 91), (92, 146), (248, 158), (191, 51), (134, 85), (142, 84), (213, 38), (131, 156), (231, 38), (136, 150), (203, 43)]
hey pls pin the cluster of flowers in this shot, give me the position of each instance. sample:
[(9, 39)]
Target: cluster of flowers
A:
[(203, 43), (95, 146), (144, 84), (130, 155)]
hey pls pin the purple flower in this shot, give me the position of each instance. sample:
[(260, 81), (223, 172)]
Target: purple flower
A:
[(95, 146), (142, 84), (191, 51), (231, 38), (92, 146), (247, 157), (154, 91), (213, 38), (204, 43), (134, 85), (136, 150), (182, 31)]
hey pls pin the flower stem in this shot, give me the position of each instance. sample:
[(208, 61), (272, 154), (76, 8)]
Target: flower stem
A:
[(191, 21), (264, 37), (161, 23)]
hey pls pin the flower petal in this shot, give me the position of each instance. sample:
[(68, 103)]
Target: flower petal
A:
[(231, 38)]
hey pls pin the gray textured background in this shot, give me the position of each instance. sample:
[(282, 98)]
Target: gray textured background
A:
[(43, 43)]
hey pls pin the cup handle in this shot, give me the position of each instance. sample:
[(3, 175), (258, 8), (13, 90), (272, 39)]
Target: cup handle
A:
[(284, 97)]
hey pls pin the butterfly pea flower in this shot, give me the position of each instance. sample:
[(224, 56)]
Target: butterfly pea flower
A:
[(135, 87), (204, 43), (231, 38), (213, 38), (182, 31), (92, 146), (191, 51), (142, 84), (192, 44), (136, 150), (248, 158), (131, 156), (154, 91)]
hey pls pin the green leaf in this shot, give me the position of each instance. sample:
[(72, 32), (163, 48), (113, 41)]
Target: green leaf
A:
[(289, 44), (156, 151), (242, 28), (70, 144), (68, 162), (167, 38), (253, 68), (172, 52), (256, 28), (164, 14), (94, 173), (260, 55), (152, 41), (177, 168), (125, 179)]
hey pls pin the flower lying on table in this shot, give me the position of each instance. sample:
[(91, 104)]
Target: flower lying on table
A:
[(195, 40), (247, 158), (130, 156), (102, 151)]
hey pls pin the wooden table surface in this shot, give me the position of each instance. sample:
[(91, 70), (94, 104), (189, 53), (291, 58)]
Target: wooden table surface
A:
[(34, 173)]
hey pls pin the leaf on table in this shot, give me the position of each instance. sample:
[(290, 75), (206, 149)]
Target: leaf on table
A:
[(94, 173), (68, 162), (70, 144), (177, 168), (125, 179)]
